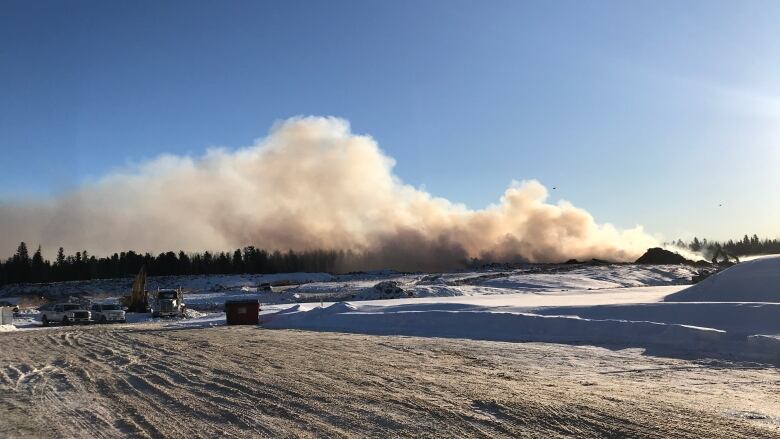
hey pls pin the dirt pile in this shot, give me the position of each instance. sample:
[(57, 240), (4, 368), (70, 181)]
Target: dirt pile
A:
[(657, 255), (390, 290)]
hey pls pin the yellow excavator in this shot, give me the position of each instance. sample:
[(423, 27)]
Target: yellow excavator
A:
[(138, 300)]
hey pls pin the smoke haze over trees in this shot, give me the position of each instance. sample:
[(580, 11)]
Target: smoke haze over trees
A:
[(747, 246), (22, 267)]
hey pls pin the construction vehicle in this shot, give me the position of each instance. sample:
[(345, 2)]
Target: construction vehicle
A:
[(138, 300), (721, 257), (169, 303)]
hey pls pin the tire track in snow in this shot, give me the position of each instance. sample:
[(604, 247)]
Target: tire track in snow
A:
[(112, 381)]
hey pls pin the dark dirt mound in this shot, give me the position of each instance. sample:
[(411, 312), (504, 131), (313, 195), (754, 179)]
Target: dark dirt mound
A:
[(390, 289), (658, 255)]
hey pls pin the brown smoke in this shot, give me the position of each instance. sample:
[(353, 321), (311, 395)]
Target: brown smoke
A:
[(310, 183)]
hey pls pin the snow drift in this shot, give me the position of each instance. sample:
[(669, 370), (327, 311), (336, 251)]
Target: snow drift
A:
[(311, 183), (490, 323), (757, 280)]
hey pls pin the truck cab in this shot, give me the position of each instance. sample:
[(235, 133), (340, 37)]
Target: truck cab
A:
[(169, 303), (65, 313), (107, 313)]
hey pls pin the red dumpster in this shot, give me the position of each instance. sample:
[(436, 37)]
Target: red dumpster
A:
[(242, 312)]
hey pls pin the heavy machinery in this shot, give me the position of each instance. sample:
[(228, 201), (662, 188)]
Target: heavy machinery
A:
[(169, 303), (721, 257), (138, 300)]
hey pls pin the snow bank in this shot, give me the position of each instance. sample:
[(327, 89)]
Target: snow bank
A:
[(570, 277), (7, 328), (757, 280), (463, 321), (532, 279), (737, 318)]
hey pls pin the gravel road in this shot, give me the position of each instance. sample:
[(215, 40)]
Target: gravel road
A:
[(148, 381)]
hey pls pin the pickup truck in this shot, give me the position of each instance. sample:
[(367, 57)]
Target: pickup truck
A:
[(106, 313), (65, 313), (14, 308)]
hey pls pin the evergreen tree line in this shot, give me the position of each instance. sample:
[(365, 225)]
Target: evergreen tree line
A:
[(22, 267), (748, 245)]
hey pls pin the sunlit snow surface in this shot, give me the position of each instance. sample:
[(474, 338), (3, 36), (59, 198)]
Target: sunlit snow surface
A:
[(616, 305)]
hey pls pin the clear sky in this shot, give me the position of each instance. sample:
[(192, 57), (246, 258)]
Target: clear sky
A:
[(642, 112)]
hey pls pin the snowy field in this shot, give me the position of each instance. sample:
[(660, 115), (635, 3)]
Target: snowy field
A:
[(607, 350), (150, 381), (205, 291), (650, 307)]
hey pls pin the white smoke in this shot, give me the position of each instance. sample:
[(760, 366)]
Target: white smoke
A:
[(310, 184)]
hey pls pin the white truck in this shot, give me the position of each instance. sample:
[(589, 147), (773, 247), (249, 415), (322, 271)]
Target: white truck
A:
[(65, 313), (107, 313), (169, 303), (14, 308)]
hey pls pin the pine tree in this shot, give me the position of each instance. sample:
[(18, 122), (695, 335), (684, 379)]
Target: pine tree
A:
[(238, 262), (38, 267), (60, 258), (22, 254), (21, 263)]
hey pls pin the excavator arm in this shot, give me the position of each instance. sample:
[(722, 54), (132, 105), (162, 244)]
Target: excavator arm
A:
[(138, 301)]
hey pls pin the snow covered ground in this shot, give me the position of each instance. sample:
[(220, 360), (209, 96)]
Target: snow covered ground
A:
[(246, 382), (619, 356), (548, 311), (731, 331), (755, 280), (321, 285), (611, 304)]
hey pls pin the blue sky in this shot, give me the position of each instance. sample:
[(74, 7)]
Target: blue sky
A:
[(646, 112)]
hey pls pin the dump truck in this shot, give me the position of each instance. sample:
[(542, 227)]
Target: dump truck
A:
[(169, 303)]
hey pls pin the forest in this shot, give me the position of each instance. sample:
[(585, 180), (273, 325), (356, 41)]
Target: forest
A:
[(24, 267)]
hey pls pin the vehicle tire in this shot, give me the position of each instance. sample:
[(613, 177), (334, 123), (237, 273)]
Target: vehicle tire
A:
[(45, 321), (103, 320), (65, 321)]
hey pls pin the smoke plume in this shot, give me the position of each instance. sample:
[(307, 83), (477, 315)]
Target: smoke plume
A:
[(310, 184)]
